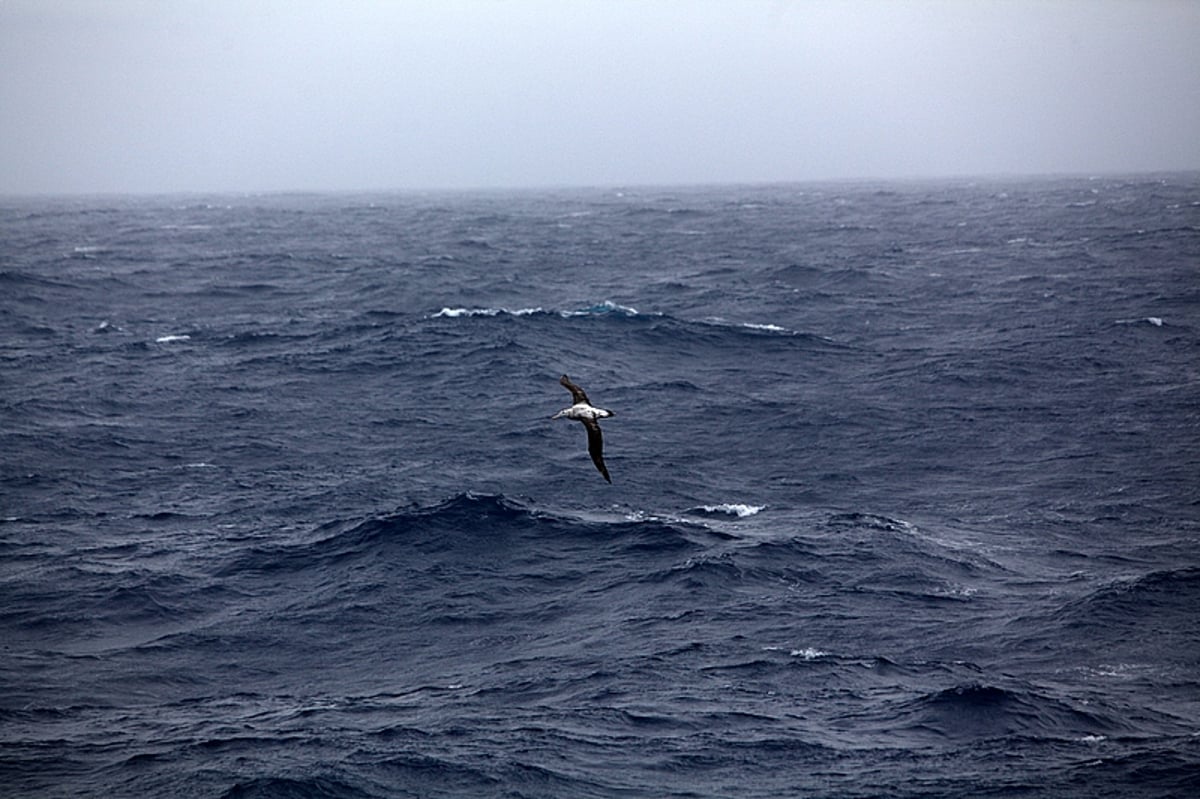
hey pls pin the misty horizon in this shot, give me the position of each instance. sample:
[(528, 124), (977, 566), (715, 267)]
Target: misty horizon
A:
[(199, 98), (633, 189)]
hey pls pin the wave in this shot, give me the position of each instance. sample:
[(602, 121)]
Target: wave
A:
[(871, 521), (1169, 594), (18, 278), (1155, 321), (464, 529), (981, 710), (457, 313), (730, 509), (485, 538), (654, 321), (606, 308), (261, 338), (324, 787)]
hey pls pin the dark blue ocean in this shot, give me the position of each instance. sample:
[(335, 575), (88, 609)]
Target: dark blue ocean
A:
[(905, 501)]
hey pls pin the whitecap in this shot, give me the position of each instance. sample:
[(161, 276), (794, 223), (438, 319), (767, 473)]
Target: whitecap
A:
[(767, 328), (600, 309), (455, 313), (757, 326), (808, 653), (733, 509), (606, 307), (639, 516), (173, 338)]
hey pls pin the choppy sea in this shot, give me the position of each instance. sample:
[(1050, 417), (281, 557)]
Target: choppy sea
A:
[(905, 501)]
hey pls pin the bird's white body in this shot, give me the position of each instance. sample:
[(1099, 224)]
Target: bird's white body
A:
[(581, 411)]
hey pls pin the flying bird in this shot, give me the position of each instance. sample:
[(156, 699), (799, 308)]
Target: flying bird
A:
[(583, 411)]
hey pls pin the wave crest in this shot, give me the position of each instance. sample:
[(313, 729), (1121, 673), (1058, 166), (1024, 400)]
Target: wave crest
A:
[(707, 329), (730, 509), (463, 530), (606, 308)]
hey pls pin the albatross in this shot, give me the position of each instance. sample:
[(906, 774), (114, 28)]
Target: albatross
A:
[(583, 411)]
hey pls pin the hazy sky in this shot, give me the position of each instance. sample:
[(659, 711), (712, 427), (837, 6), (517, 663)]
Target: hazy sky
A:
[(197, 95)]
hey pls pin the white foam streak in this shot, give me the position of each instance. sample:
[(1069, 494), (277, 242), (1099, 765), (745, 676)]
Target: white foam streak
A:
[(808, 653), (455, 313), (606, 307), (741, 511), (768, 328), (759, 326)]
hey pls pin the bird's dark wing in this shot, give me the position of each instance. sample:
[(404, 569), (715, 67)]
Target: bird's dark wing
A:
[(596, 446), (576, 392)]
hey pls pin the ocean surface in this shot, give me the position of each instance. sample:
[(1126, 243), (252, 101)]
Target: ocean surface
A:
[(905, 501)]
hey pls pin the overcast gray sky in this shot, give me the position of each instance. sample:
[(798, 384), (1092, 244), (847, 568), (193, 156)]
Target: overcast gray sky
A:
[(250, 95)]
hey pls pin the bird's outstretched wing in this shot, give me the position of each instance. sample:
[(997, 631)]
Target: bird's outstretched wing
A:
[(576, 392), (596, 445)]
